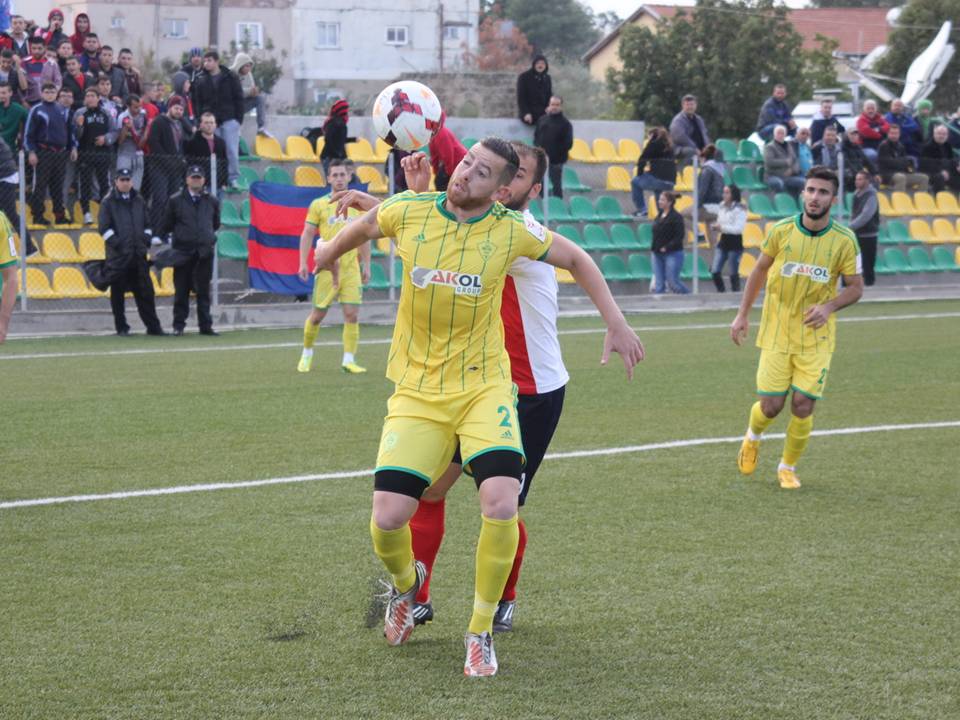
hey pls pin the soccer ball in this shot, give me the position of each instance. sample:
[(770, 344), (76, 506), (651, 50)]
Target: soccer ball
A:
[(406, 115)]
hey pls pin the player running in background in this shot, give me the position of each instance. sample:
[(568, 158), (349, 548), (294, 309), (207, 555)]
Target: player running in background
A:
[(800, 261), (8, 275), (451, 372), (354, 273)]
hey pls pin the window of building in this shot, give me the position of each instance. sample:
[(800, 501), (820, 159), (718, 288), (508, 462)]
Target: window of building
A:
[(117, 22), (174, 27), (397, 35), (328, 35), (454, 32), (250, 34)]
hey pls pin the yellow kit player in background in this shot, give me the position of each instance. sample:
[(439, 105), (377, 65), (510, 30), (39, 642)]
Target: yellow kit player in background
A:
[(322, 220), (452, 371), (801, 262), (8, 274)]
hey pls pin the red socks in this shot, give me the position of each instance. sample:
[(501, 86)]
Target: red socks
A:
[(426, 527), (510, 591)]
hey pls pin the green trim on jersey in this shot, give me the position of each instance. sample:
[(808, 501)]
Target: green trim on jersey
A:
[(441, 201), (8, 264), (804, 392), (798, 221)]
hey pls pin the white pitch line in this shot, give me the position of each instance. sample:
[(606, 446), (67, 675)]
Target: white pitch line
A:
[(649, 447), (386, 341)]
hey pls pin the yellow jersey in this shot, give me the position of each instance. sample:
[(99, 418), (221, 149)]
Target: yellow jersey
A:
[(448, 336), (805, 272), (8, 243), (322, 214)]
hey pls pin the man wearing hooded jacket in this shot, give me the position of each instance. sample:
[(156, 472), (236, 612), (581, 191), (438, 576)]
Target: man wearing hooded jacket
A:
[(534, 89)]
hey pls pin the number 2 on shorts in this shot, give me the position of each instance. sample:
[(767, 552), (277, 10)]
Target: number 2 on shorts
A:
[(506, 416)]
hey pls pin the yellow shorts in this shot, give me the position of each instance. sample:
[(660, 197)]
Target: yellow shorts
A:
[(779, 372), (350, 291), (421, 431)]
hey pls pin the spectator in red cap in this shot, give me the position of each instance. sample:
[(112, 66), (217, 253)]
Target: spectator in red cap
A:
[(335, 134), (446, 152)]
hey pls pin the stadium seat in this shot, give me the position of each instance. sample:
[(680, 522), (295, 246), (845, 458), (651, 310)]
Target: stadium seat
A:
[(925, 204), (376, 183), (645, 236), (557, 210), (613, 268), (920, 231), (750, 151), (92, 246), (381, 247), (581, 210), (580, 151), (38, 286), (880, 266), (245, 179), (231, 245), (896, 260), (785, 204), (536, 209), (902, 204), (639, 266), (883, 236), (947, 203), (944, 261), (684, 182), (595, 238), (278, 175), (571, 233), (752, 235), (245, 211), (944, 231), (229, 216), (361, 151), (746, 179), (161, 289), (59, 248), (651, 207), (618, 179), (308, 176), (747, 261), (245, 153), (378, 277), (69, 282), (397, 272), (731, 155), (919, 260), (628, 149), (380, 151), (623, 238), (683, 202), (38, 258), (604, 151), (564, 277), (299, 148), (608, 209), (898, 233), (687, 272), (269, 148), (319, 145), (886, 209), (571, 181), (761, 205)]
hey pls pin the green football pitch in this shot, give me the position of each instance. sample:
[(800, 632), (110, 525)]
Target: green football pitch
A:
[(658, 582)]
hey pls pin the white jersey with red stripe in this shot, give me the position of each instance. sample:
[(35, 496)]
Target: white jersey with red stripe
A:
[(529, 311)]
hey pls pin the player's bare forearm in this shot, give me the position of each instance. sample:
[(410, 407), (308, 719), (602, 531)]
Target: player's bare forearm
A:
[(849, 295), (8, 300), (756, 280), (365, 254), (306, 240), (352, 236)]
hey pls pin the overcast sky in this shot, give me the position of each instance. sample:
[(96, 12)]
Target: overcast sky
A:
[(623, 8)]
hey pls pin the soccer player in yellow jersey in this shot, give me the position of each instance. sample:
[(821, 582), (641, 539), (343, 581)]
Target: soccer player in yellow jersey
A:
[(354, 273), (801, 262), (8, 275), (452, 372)]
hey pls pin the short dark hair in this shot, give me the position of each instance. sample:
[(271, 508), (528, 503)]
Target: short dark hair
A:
[(48, 86), (6, 54), (65, 41), (132, 98), (671, 196), (91, 34), (895, 125), (103, 77), (36, 41), (687, 97), (8, 86), (125, 50), (735, 193), (91, 91), (211, 54), (503, 149), (524, 150), (64, 89), (106, 47), (337, 162), (822, 172)]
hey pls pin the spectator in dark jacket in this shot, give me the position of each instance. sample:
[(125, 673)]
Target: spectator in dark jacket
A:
[(218, 91), (77, 81), (13, 116), (534, 90), (49, 140), (554, 134), (854, 159), (9, 189), (192, 217), (118, 78), (656, 169), (910, 133), (781, 167), (130, 73), (53, 33), (897, 169), (94, 128), (865, 222), (826, 151), (335, 134), (709, 191), (667, 248), (122, 224), (446, 152), (775, 111), (939, 163), (12, 75), (205, 143), (165, 164), (39, 71), (822, 120), (688, 131), (90, 57)]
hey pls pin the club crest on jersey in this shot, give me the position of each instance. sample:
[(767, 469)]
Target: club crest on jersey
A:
[(486, 249), (815, 272), (462, 283)]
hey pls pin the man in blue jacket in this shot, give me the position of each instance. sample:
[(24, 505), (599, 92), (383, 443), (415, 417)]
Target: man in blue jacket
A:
[(48, 138), (775, 112)]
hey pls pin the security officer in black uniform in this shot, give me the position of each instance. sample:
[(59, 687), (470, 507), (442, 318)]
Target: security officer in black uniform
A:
[(193, 217)]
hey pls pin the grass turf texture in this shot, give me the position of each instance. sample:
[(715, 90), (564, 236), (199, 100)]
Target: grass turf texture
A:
[(657, 585)]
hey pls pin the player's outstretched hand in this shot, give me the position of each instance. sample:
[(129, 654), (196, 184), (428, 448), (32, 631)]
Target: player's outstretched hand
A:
[(416, 168), (304, 272), (816, 316), (357, 199), (738, 329), (623, 341)]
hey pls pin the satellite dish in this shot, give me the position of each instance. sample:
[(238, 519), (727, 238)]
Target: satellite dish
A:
[(928, 67)]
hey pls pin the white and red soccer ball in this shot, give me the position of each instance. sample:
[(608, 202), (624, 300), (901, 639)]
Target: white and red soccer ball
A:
[(406, 115)]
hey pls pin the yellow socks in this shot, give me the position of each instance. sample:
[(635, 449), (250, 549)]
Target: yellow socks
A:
[(310, 332), (798, 435), (496, 549), (351, 339), (758, 421), (395, 550)]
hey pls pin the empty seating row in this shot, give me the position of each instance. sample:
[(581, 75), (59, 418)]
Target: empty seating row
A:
[(604, 151), (922, 204), (639, 266), (892, 261), (297, 148), (618, 179), (607, 209), (70, 283), (620, 237)]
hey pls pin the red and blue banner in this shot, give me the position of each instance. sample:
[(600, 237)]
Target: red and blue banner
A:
[(277, 214)]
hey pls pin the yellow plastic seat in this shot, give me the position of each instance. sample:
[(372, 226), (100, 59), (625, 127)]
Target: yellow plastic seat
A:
[(361, 151), (684, 180), (374, 180), (38, 258), (886, 209), (629, 150), (92, 246), (652, 206), (166, 280), (604, 151), (618, 179), (683, 202), (752, 235), (925, 204), (947, 203), (320, 143), (308, 176), (269, 148), (747, 261), (581, 152), (299, 148), (564, 277), (902, 204), (920, 230), (159, 288), (59, 248), (69, 282), (383, 245), (381, 150), (38, 286), (945, 232)]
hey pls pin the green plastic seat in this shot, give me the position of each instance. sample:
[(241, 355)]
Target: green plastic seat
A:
[(468, 142), (613, 268), (397, 272), (898, 233), (277, 175), (944, 260), (609, 210), (883, 236), (687, 272), (785, 204), (571, 233), (896, 261), (247, 176), (229, 217), (378, 277), (639, 266), (557, 210), (750, 151), (645, 236), (572, 182), (920, 261), (761, 205), (596, 238), (245, 211), (536, 209), (581, 210), (231, 245), (730, 153), (623, 238), (746, 179), (245, 153)]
